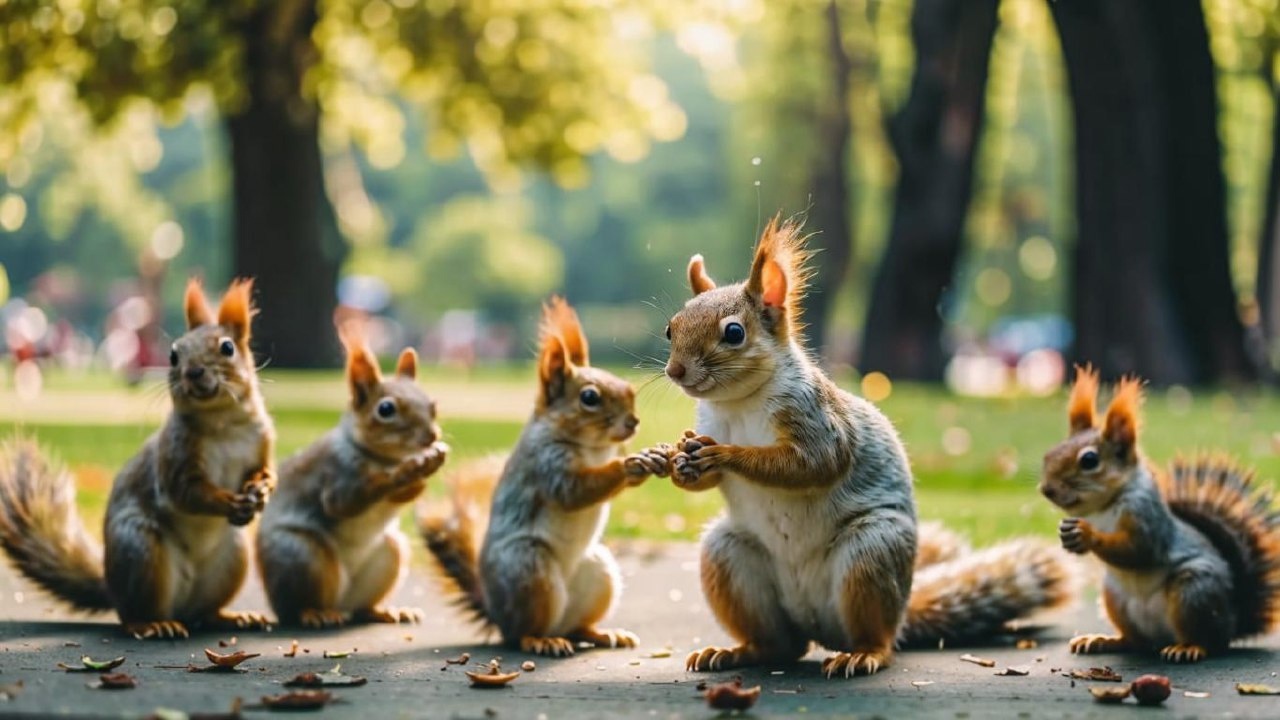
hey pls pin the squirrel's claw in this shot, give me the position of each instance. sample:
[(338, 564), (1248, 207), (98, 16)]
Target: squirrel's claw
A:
[(851, 664), (1093, 644), (550, 646), (712, 659), (391, 615), (1183, 653), (159, 629), (1074, 534)]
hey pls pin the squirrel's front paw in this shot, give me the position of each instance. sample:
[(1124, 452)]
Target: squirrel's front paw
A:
[(422, 465), (689, 474), (1075, 534), (650, 461), (259, 488), (243, 507)]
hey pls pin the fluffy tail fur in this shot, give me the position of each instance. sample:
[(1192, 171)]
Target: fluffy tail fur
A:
[(41, 531), (1217, 497), (454, 531), (976, 595)]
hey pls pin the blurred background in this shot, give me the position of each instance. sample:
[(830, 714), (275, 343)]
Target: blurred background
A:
[(999, 188)]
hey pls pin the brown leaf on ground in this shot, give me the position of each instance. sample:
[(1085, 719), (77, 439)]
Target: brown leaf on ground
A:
[(1256, 689), (1109, 695), (462, 659), (298, 700), (491, 678), (1095, 674), (1015, 671), (114, 681), (293, 649), (984, 662), (229, 660), (1027, 644), (333, 678), (731, 696), (88, 664)]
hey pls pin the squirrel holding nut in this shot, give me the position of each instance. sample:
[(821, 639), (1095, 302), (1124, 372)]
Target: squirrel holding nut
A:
[(541, 575), (1192, 551), (175, 550), (819, 542), (329, 546)]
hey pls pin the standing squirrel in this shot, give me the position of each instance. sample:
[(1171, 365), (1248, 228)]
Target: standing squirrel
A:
[(175, 551), (1192, 553), (329, 547), (542, 576), (819, 542)]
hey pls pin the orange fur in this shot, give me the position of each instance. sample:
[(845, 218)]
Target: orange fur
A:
[(1124, 547), (699, 280), (1084, 393), (1121, 423), (594, 485), (362, 366), (407, 364), (196, 305), (560, 320), (780, 272), (236, 309)]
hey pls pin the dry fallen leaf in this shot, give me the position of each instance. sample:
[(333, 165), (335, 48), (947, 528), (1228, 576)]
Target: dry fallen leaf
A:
[(1109, 695), (298, 700), (1027, 644), (333, 678), (293, 649), (462, 659), (491, 678), (1015, 671), (731, 696), (88, 664), (10, 691), (1094, 674), (228, 643), (1256, 689), (114, 681), (984, 662), (338, 654), (229, 660)]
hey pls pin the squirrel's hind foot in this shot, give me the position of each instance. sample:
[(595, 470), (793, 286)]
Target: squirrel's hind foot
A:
[(608, 638), (855, 663), (158, 629), (322, 619), (550, 646), (1181, 653), (711, 659), (238, 620), (1094, 644), (383, 614)]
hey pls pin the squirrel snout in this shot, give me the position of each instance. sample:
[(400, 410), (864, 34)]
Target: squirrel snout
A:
[(631, 422), (675, 370), (194, 373)]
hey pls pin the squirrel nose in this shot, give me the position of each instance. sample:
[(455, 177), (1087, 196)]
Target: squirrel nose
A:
[(194, 373), (675, 370), (632, 421)]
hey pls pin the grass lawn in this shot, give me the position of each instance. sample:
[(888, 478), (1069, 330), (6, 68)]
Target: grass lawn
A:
[(976, 460)]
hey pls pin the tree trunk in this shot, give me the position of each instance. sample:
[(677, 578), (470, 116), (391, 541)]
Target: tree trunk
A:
[(830, 187), (1268, 259), (1152, 290), (285, 235), (934, 137)]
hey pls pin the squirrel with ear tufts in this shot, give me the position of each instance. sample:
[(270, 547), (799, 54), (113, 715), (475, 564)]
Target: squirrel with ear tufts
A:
[(819, 542), (542, 577), (175, 551), (1192, 552), (330, 548)]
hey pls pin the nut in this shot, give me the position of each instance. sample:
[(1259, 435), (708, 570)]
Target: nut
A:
[(1151, 689)]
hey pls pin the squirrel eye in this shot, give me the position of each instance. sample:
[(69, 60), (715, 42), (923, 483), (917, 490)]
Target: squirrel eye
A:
[(173, 357), (668, 331), (734, 333), (590, 397), (1089, 460), (386, 409), (227, 348)]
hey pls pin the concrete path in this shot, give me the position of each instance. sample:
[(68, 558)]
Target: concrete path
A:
[(408, 676)]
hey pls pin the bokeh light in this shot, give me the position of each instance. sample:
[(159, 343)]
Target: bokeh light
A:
[(876, 386)]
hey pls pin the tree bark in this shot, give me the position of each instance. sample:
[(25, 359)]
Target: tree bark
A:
[(934, 137), (1152, 291), (1268, 287), (285, 234), (829, 216)]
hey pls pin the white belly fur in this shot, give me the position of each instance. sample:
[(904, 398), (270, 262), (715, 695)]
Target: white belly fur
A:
[(1145, 605)]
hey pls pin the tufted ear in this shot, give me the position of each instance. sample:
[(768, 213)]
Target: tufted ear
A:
[(1120, 426), (363, 376), (407, 365), (780, 273), (1084, 393), (236, 309), (553, 367), (699, 280), (196, 306)]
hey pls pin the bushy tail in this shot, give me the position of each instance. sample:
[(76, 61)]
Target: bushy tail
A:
[(1217, 497), (937, 544), (41, 531), (454, 530), (976, 595)]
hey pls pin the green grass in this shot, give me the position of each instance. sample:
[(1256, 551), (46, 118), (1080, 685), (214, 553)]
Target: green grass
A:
[(984, 485)]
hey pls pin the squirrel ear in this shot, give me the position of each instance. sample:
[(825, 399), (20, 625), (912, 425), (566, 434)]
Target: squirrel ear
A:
[(362, 366), (699, 280), (407, 365), (1084, 393), (774, 285), (196, 306), (1121, 424), (560, 319), (780, 272), (553, 367), (236, 309)]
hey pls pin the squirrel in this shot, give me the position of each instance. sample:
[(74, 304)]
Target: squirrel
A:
[(329, 545), (1192, 552), (819, 542), (541, 576), (175, 551)]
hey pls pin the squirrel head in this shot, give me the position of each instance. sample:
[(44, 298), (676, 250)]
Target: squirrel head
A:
[(390, 417), (211, 365), (1083, 474), (589, 405), (726, 341)]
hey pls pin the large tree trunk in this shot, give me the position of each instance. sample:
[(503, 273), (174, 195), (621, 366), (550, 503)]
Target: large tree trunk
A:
[(1152, 290), (830, 187), (285, 235), (934, 137), (1268, 257)]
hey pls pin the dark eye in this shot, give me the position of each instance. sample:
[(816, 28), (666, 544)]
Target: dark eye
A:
[(386, 409), (173, 357), (734, 333), (227, 348), (668, 331), (1089, 460), (590, 397)]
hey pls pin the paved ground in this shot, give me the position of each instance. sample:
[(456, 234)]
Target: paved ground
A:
[(408, 676)]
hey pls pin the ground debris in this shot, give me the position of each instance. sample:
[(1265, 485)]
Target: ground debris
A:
[(732, 696), (1015, 671), (338, 654), (171, 714), (10, 691), (491, 676), (984, 662), (293, 649), (921, 683), (229, 660), (462, 659), (88, 664), (1109, 695), (1256, 689), (333, 678), (1095, 674), (114, 681), (298, 700)]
